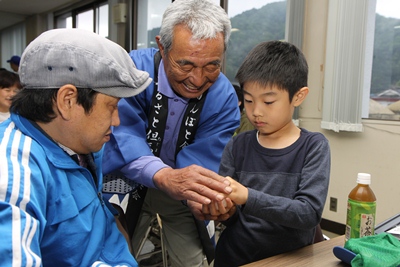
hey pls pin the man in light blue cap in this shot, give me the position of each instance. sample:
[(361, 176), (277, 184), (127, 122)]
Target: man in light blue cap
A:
[(52, 211)]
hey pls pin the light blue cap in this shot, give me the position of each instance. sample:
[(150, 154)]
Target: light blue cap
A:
[(83, 59)]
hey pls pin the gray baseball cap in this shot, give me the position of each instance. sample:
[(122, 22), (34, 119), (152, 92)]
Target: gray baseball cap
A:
[(83, 59)]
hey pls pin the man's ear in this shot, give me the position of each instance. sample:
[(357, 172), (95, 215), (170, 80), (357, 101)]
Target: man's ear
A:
[(66, 99), (299, 97), (160, 46)]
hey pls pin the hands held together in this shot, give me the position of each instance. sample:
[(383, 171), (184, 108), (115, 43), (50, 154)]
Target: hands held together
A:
[(222, 210), (209, 195)]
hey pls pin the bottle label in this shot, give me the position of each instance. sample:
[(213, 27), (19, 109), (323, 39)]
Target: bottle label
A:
[(360, 219)]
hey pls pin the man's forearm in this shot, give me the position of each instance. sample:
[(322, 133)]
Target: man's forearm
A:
[(143, 170)]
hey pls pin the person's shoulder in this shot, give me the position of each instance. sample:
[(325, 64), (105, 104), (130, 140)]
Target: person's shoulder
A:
[(244, 137), (3, 126), (142, 55), (312, 135), (222, 86), (15, 133), (145, 51), (314, 139), (241, 142), (222, 95)]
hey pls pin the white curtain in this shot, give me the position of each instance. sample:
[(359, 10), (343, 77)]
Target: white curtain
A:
[(12, 43), (348, 63)]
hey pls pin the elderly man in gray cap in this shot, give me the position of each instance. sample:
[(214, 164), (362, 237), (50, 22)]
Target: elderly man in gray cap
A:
[(52, 211)]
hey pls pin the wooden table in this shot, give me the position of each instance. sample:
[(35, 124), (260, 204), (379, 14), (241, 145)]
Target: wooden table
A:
[(316, 255)]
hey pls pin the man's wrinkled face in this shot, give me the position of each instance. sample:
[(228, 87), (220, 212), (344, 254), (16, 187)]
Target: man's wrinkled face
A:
[(192, 66)]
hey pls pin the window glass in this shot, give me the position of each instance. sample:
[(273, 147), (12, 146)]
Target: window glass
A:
[(385, 79), (64, 21), (84, 20), (102, 22), (93, 17), (149, 21), (68, 22), (252, 22)]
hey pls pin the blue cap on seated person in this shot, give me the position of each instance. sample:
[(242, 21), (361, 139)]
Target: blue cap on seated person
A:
[(15, 60), (83, 59)]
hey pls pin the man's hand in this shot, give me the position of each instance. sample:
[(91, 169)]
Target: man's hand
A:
[(192, 183)]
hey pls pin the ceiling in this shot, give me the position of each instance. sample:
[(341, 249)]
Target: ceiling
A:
[(15, 11)]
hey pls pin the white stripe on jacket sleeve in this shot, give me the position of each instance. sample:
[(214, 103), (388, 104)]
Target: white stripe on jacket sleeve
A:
[(23, 225)]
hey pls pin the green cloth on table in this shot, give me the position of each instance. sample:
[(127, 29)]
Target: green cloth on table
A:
[(381, 250)]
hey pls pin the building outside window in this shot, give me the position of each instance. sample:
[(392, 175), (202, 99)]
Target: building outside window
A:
[(385, 78)]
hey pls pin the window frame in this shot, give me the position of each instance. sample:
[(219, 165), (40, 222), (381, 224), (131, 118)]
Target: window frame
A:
[(74, 10)]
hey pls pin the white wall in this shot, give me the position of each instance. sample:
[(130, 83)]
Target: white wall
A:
[(376, 150)]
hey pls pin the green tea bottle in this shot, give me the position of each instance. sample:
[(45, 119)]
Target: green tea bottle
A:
[(361, 209)]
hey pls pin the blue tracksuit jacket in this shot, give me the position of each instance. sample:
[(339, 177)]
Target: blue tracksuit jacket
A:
[(51, 211)]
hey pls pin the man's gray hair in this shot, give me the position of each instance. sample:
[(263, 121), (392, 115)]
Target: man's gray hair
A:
[(204, 18)]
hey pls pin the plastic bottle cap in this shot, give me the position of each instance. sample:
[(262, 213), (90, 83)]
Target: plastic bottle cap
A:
[(364, 178)]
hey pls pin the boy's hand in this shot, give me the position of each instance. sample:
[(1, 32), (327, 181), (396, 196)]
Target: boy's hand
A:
[(220, 210), (210, 212), (240, 193)]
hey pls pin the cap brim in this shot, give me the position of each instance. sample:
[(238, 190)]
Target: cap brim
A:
[(123, 92), (343, 254)]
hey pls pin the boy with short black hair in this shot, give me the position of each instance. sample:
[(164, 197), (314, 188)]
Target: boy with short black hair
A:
[(280, 172)]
